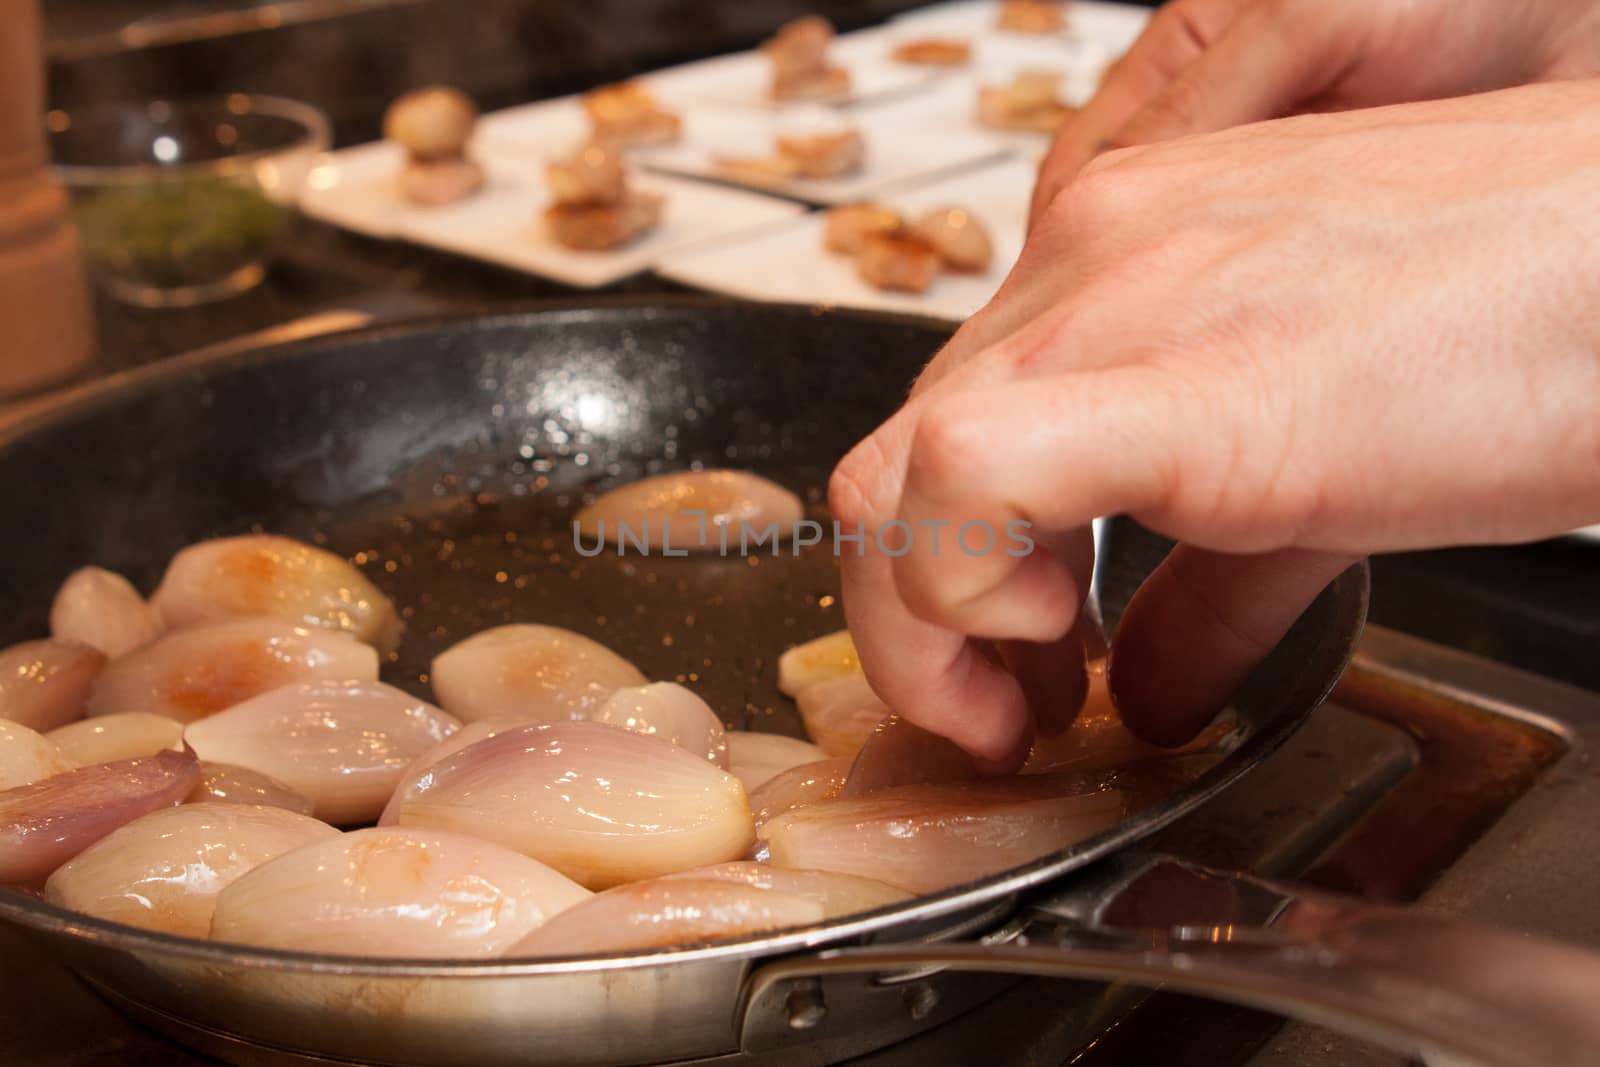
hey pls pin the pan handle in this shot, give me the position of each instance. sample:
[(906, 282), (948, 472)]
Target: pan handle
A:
[(1417, 983)]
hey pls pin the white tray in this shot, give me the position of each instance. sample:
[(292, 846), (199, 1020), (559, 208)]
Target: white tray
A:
[(789, 263), (899, 153), (502, 223)]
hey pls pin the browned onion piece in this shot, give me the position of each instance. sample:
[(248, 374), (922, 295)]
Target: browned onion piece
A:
[(47, 823), (27, 756), (923, 838), (600, 804), (666, 911), (672, 512), (190, 674), (103, 610), (224, 783), (754, 758), (797, 787), (820, 660), (45, 684), (901, 753), (841, 714), (839, 894), (264, 576)]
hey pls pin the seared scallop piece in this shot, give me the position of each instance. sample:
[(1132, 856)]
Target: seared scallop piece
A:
[(958, 237), (163, 871), (1029, 104), (603, 227), (672, 713), (627, 115), (756, 758), (594, 175), (274, 577), (529, 672), (1032, 16), (797, 787), (898, 752), (934, 52), (101, 609), (798, 53), (45, 684), (841, 714), (924, 838), (600, 804), (126, 735), (393, 892), (431, 123), (824, 155), (27, 756), (344, 745), (692, 511), (225, 783), (847, 228), (666, 912), (819, 660), (190, 674), (46, 823), (898, 264), (839, 894)]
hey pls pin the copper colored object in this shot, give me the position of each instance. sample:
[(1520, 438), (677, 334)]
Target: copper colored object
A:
[(44, 292)]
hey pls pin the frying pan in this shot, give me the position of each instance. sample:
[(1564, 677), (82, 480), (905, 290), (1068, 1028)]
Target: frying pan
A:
[(447, 458)]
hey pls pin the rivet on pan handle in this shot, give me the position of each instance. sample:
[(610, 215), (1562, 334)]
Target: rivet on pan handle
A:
[(1417, 983)]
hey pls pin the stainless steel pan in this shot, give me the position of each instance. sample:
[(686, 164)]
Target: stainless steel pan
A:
[(422, 447)]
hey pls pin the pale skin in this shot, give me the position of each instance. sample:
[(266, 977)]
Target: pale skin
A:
[(1286, 345)]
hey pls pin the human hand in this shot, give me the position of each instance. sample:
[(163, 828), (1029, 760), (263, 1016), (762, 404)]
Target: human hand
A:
[(1205, 65), (1286, 346)]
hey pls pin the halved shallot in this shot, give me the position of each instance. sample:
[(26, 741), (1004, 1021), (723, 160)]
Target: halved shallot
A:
[(669, 711), (797, 787), (923, 838), (1097, 740), (600, 804), (664, 912), (127, 735), (45, 684), (684, 511), (531, 672), (277, 577), (190, 674), (26, 756), (899, 752), (225, 783), (102, 609), (47, 823), (163, 871), (841, 714), (754, 758), (391, 891), (342, 744), (839, 894)]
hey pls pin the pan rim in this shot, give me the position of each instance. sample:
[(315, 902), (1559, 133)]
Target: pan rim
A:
[(995, 892)]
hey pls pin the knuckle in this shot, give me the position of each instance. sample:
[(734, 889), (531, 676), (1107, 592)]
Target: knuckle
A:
[(1104, 193), (943, 446)]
